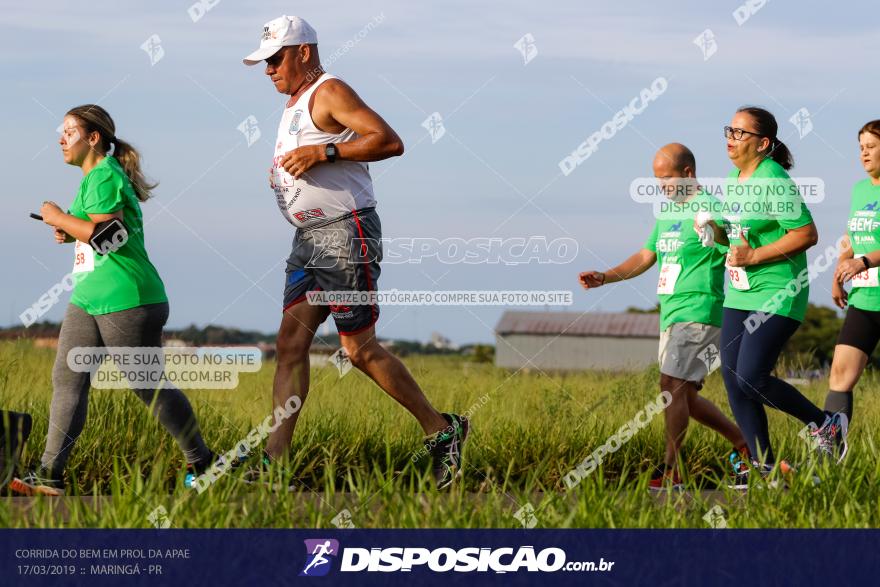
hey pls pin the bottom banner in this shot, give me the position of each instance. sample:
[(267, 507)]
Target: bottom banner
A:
[(391, 557)]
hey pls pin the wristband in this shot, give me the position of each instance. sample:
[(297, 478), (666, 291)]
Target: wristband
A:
[(866, 262)]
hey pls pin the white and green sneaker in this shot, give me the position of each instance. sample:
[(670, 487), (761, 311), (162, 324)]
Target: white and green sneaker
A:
[(446, 448)]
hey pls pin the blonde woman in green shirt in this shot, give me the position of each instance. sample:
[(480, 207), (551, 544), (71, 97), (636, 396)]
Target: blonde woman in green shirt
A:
[(858, 264), (118, 298)]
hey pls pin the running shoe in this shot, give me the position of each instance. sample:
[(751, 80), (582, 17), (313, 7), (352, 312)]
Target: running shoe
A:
[(665, 480), (16, 429), (256, 473), (261, 475), (831, 437), (740, 466), (37, 483), (196, 470), (766, 473), (446, 448)]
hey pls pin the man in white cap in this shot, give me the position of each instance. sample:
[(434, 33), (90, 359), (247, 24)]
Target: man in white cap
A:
[(323, 188)]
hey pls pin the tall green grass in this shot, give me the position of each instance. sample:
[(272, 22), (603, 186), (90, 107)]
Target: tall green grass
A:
[(353, 448)]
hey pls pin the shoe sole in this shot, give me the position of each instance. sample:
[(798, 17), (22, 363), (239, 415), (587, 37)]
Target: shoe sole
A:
[(844, 432), (843, 452), (22, 488)]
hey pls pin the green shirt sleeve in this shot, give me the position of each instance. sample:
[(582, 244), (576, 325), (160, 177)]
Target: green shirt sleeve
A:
[(651, 243), (788, 207), (104, 192), (803, 219)]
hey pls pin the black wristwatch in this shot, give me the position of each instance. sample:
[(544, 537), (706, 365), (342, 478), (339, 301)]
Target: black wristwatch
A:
[(330, 152), (866, 262)]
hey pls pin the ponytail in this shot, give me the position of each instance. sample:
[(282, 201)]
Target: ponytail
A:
[(96, 119), (130, 160), (779, 152), (766, 126)]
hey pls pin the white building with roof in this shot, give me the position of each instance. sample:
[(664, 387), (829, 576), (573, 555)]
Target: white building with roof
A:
[(575, 341)]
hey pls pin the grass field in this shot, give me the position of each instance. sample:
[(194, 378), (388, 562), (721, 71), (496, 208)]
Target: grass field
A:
[(353, 447)]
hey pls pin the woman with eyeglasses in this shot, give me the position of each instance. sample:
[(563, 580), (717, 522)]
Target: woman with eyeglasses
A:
[(858, 264), (770, 229)]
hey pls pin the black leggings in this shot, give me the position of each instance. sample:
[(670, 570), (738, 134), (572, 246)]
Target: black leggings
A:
[(746, 362)]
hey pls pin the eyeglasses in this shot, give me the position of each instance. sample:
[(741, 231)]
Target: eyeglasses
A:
[(737, 133)]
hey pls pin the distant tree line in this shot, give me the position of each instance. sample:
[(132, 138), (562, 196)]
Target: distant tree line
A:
[(222, 335)]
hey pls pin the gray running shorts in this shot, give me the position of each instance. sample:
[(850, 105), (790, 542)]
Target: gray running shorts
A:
[(689, 350)]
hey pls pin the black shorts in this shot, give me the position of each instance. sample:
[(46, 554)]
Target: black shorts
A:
[(861, 329), (342, 255)]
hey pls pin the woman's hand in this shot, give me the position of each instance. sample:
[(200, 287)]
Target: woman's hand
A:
[(741, 255), (51, 213), (62, 237), (847, 269), (839, 295)]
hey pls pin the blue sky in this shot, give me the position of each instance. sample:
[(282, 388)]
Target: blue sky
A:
[(214, 231)]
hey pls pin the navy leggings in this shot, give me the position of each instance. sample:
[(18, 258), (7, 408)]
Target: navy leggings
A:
[(746, 361)]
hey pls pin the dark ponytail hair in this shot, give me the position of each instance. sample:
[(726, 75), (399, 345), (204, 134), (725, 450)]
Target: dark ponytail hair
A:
[(96, 119), (872, 127), (765, 125)]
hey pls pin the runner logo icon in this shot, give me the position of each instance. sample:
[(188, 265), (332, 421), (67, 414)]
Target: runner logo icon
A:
[(319, 551)]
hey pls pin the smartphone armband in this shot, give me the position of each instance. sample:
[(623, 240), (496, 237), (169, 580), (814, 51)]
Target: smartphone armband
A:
[(108, 236)]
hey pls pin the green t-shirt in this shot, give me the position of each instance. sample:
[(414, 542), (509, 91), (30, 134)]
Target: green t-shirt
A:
[(698, 288), (124, 278), (864, 234), (764, 207)]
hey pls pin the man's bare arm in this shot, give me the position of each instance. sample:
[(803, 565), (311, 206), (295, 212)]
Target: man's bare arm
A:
[(376, 140), (336, 108)]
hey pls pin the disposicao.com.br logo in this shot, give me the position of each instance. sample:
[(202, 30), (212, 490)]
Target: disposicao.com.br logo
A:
[(442, 560)]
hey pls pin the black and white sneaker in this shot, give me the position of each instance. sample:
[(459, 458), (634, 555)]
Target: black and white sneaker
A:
[(446, 448)]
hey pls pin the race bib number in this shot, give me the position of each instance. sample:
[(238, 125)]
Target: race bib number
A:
[(867, 278), (669, 273), (739, 279), (83, 258)]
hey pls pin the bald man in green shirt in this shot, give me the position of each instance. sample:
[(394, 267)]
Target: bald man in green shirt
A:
[(690, 289)]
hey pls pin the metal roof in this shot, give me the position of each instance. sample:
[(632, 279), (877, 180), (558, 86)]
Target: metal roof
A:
[(580, 324)]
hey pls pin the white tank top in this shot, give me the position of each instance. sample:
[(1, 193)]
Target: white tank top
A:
[(327, 190)]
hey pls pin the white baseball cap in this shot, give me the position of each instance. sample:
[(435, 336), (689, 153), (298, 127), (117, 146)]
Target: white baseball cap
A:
[(284, 31)]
